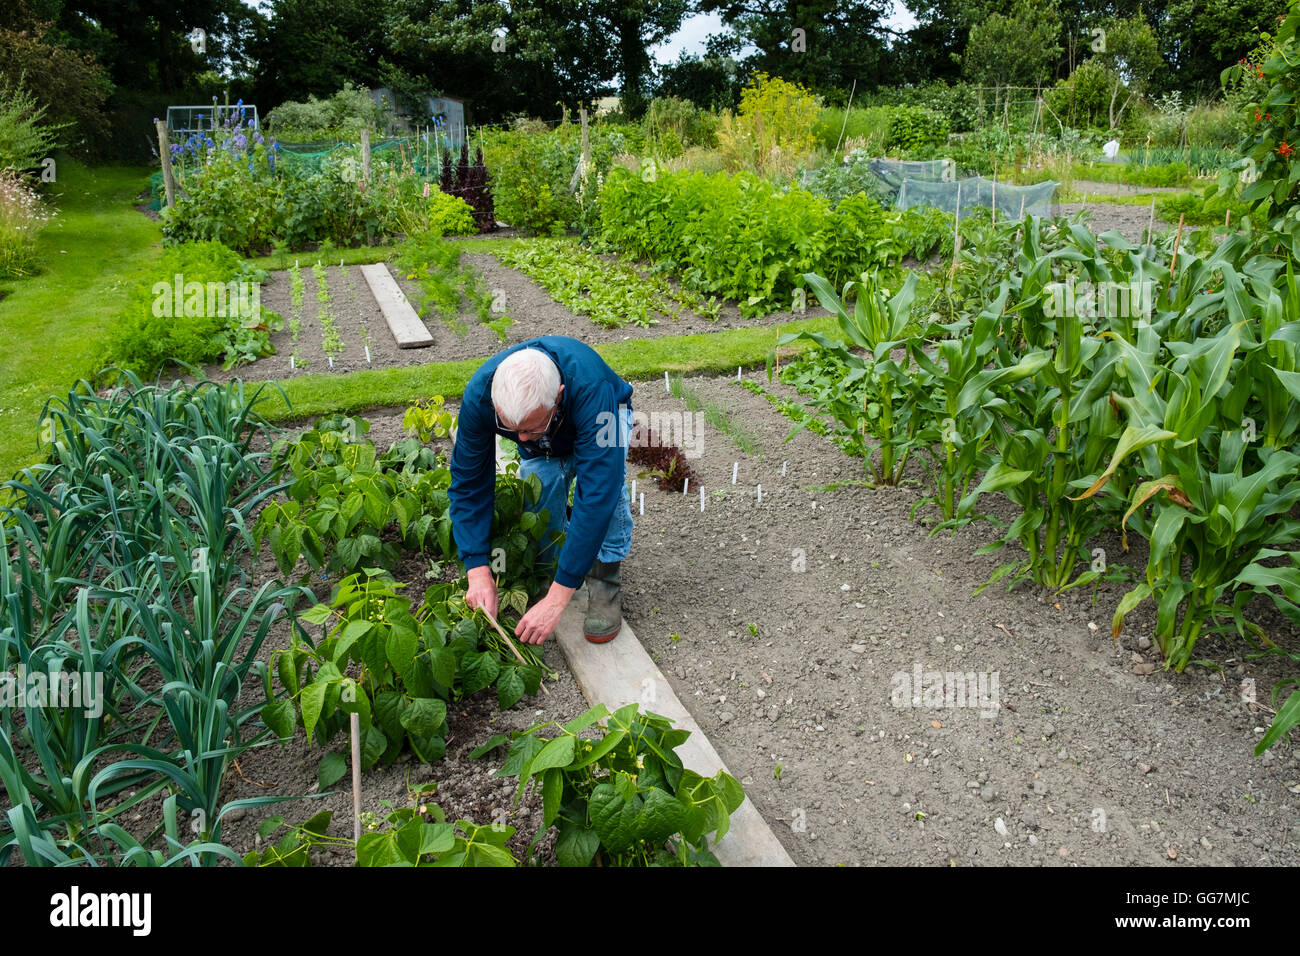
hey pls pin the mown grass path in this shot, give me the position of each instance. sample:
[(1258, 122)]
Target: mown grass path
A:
[(52, 325)]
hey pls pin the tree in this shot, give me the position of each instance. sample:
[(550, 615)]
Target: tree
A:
[(311, 47), (67, 87), (1019, 49), (1130, 54), (524, 57), (637, 24), (1200, 38), (820, 44), (710, 82)]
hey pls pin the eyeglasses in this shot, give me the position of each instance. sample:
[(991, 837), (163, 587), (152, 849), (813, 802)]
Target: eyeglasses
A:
[(545, 430)]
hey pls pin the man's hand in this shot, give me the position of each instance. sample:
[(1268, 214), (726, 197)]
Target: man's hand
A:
[(482, 590), (540, 621)]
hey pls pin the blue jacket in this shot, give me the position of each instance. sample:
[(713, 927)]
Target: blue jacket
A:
[(587, 419)]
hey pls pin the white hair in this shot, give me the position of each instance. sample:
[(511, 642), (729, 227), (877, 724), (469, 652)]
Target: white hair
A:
[(525, 381)]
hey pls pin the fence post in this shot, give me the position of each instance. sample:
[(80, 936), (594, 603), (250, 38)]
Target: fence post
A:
[(165, 154)]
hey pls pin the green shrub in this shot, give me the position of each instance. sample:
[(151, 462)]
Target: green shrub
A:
[(450, 215), (673, 125), (1083, 99), (339, 117), (231, 195), (744, 238), (1208, 207), (866, 127), (25, 139), (915, 127), (533, 168), (958, 102)]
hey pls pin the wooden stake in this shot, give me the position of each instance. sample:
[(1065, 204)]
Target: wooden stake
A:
[(1227, 218), (586, 145), (165, 154), (845, 127), (1151, 224), (956, 237), (365, 155), (356, 776), (1177, 239)]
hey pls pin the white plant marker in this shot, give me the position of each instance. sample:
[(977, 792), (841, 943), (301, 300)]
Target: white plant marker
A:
[(782, 469), (701, 499), (760, 494), (643, 502), (667, 388), (367, 348), (634, 489), (295, 263), (737, 373), (340, 263), (291, 363), (331, 361), (735, 471), (686, 484)]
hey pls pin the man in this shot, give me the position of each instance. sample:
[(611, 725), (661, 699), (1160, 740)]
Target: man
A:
[(571, 416)]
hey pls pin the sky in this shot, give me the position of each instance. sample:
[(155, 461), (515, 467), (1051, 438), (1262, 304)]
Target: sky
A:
[(696, 29)]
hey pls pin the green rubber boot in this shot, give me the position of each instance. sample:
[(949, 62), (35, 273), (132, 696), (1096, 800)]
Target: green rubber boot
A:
[(604, 602)]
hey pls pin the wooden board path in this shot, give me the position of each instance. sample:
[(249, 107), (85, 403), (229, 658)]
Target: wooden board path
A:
[(407, 329)]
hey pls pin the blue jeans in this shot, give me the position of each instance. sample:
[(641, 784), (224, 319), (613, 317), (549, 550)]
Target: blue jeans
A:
[(557, 474)]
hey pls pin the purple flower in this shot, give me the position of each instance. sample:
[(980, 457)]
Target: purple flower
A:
[(240, 141), (257, 138)]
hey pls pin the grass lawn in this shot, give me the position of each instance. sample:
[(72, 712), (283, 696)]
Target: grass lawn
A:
[(53, 324)]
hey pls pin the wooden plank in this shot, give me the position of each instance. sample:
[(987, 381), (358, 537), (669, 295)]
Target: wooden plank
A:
[(620, 673), (407, 329)]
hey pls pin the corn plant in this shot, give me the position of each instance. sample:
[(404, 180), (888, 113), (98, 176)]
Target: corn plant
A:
[(879, 325), (1220, 498), (960, 386)]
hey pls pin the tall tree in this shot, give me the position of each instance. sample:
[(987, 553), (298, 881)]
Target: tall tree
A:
[(638, 24), (1201, 38), (1018, 49), (525, 57), (310, 47), (821, 44)]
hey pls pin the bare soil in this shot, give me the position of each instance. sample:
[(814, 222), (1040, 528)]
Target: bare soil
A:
[(360, 323), (786, 627), (1131, 221)]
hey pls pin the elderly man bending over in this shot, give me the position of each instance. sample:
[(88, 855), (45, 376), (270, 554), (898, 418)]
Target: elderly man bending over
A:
[(571, 416)]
